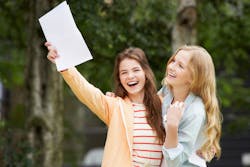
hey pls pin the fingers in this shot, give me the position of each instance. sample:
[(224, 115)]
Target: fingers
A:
[(50, 47), (174, 114), (178, 106), (210, 153), (199, 153), (52, 54), (47, 44), (110, 94)]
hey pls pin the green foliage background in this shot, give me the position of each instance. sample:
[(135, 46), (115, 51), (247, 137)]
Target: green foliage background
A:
[(223, 29)]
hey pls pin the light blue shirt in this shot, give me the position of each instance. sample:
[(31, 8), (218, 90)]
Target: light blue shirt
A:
[(190, 132)]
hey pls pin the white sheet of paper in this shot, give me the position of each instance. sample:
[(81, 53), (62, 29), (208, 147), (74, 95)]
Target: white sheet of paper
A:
[(59, 28)]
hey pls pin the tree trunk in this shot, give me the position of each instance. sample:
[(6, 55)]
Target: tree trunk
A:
[(184, 31), (44, 94)]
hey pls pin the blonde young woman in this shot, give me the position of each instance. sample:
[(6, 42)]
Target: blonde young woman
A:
[(192, 118), (135, 131)]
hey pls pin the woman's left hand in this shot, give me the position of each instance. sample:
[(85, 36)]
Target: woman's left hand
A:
[(211, 153), (110, 94), (174, 113)]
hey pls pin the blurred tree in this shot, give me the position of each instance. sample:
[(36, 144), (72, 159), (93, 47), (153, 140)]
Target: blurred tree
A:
[(44, 94), (223, 28), (184, 31), (13, 143)]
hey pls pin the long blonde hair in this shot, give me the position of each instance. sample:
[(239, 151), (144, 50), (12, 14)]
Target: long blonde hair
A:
[(204, 85)]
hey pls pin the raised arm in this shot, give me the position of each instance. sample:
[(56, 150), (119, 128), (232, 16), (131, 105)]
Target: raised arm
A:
[(89, 95)]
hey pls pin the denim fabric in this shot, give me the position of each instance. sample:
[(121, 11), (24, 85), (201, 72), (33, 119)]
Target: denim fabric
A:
[(190, 131)]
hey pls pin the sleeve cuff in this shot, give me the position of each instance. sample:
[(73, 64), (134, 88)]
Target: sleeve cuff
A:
[(68, 70), (64, 70), (172, 153)]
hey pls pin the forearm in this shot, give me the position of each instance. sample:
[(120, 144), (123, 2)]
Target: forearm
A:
[(171, 140), (172, 148), (188, 131), (86, 93), (79, 86)]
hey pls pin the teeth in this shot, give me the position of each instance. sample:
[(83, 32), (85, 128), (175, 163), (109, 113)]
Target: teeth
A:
[(132, 83), (172, 75)]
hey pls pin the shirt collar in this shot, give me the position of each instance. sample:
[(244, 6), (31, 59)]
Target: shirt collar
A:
[(189, 99)]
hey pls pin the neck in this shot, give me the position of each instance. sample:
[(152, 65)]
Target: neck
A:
[(138, 98), (180, 94)]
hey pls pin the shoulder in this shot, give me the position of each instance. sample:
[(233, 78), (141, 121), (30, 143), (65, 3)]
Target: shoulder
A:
[(194, 113), (121, 101), (198, 103), (197, 107), (164, 90)]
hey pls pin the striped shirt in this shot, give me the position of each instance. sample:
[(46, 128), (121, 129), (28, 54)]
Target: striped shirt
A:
[(146, 149)]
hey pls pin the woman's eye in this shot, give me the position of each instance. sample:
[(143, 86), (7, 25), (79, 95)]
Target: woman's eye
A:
[(136, 69)]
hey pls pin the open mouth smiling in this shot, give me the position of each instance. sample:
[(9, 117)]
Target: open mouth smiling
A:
[(171, 75), (133, 83)]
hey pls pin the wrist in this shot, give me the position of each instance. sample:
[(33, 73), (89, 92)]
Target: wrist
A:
[(64, 70), (172, 123)]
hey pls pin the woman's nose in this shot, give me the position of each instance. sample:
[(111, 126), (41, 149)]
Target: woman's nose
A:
[(171, 66), (131, 75)]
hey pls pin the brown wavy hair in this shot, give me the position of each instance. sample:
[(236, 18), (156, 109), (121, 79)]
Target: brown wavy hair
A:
[(151, 100)]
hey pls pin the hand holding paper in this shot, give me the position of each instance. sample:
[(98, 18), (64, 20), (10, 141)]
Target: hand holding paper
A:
[(52, 54), (61, 31)]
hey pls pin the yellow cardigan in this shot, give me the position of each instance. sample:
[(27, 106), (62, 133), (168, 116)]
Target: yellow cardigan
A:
[(116, 113)]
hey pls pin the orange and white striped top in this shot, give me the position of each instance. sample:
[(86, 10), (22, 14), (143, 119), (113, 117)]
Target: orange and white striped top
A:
[(146, 148)]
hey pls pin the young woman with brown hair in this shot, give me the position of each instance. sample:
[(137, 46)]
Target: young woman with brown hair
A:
[(135, 132)]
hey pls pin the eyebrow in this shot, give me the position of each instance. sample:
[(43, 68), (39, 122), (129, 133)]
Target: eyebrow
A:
[(134, 68), (179, 62), (123, 70)]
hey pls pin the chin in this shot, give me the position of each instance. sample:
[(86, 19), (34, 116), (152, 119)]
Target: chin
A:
[(167, 81)]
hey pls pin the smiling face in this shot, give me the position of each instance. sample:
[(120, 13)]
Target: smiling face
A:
[(132, 78), (178, 72)]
